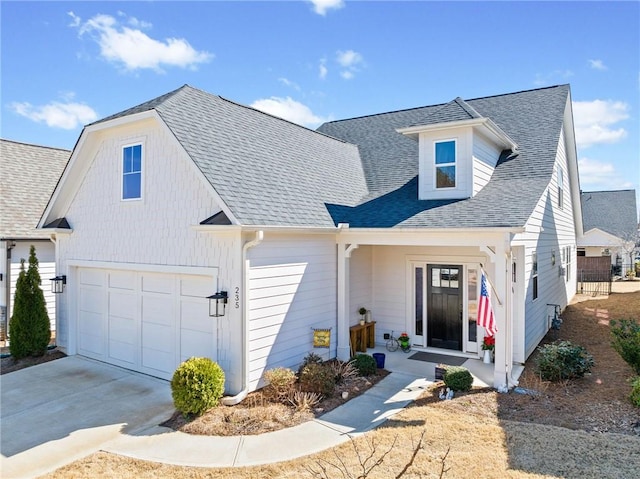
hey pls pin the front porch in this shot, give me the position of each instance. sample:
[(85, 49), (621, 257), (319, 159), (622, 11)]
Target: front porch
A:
[(398, 361)]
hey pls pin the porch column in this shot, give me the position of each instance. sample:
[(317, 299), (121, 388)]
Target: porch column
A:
[(503, 349), (343, 351)]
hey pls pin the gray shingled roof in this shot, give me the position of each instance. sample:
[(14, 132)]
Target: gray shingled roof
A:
[(533, 119), (612, 211), (360, 171), (267, 170), (29, 175)]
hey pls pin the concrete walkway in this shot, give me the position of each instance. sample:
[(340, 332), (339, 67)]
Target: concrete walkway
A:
[(355, 417)]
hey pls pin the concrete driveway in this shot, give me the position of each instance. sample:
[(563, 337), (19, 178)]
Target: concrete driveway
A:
[(60, 411)]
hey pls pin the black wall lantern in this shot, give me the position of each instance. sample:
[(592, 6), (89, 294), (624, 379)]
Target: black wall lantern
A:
[(217, 304), (57, 283)]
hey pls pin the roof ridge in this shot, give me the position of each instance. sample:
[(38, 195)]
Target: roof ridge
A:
[(35, 145), (607, 191), (517, 92)]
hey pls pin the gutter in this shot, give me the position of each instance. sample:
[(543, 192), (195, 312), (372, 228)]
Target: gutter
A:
[(233, 400)]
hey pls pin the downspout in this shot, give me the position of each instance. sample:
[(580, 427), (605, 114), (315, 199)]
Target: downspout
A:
[(233, 400)]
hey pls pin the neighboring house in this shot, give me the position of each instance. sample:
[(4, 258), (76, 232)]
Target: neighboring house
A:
[(29, 174), (190, 194), (610, 221)]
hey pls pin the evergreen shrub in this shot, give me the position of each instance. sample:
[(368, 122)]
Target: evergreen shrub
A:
[(197, 386)]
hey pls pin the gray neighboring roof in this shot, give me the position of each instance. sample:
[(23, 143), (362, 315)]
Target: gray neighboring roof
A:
[(359, 171), (268, 171), (29, 176), (614, 212), (533, 119)]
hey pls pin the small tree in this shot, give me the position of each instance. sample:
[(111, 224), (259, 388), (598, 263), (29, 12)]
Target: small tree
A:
[(29, 327)]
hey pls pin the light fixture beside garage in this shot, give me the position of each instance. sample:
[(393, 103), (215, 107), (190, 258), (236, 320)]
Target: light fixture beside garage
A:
[(57, 283), (217, 303)]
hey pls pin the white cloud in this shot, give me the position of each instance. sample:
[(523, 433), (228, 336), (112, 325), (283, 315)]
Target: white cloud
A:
[(289, 83), (133, 48), (322, 69), (543, 79), (593, 121), (597, 65), (598, 176), (322, 6), (289, 109), (56, 114), (350, 61)]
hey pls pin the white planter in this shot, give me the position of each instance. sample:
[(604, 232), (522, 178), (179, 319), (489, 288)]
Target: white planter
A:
[(487, 356)]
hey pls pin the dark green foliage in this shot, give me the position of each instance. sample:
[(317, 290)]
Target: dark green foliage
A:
[(365, 364), (311, 358), (318, 378), (458, 378), (626, 341), (29, 327), (197, 385), (563, 360), (635, 392)]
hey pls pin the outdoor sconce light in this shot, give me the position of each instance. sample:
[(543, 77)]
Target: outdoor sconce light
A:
[(217, 304), (57, 283)]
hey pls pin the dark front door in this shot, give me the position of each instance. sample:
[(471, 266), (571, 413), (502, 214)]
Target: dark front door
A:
[(444, 307)]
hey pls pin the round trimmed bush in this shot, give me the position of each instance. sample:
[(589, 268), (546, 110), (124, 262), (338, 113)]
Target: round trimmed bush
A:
[(458, 378), (197, 385), (563, 360), (365, 364)]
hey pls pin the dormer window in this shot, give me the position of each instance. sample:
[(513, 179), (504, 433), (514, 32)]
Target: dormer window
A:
[(445, 164)]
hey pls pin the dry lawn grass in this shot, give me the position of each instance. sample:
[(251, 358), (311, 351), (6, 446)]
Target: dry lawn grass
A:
[(556, 434)]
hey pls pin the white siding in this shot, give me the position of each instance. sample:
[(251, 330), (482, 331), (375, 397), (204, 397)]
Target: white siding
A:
[(157, 230), (292, 289), (360, 283), (558, 231), (485, 158)]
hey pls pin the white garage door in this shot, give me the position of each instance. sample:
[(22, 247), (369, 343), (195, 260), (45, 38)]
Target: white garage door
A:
[(144, 321)]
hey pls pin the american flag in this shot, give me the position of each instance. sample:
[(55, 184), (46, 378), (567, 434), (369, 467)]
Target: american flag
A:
[(486, 319)]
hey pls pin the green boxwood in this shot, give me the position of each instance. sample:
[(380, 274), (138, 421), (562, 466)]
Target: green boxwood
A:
[(563, 360), (197, 385), (365, 364), (635, 392), (318, 378), (626, 341), (458, 378)]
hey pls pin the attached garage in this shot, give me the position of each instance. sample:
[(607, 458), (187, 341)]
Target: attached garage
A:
[(146, 321)]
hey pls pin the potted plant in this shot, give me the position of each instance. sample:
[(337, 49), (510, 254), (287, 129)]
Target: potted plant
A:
[(363, 312), (488, 346)]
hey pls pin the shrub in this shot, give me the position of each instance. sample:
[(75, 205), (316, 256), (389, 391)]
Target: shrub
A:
[(365, 364), (311, 358), (29, 327), (626, 341), (635, 392), (563, 360), (197, 385), (458, 378), (343, 370), (317, 378), (280, 382)]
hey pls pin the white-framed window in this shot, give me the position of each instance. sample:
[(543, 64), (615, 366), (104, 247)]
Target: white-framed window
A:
[(560, 188), (534, 274), (132, 172), (567, 263), (445, 164)]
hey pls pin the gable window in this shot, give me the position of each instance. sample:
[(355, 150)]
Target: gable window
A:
[(560, 187), (534, 274), (445, 163), (132, 172)]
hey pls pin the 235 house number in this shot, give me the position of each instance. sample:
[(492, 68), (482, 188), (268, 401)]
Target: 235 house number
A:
[(236, 298)]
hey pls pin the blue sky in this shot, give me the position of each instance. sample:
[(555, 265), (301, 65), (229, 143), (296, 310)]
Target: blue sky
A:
[(65, 64)]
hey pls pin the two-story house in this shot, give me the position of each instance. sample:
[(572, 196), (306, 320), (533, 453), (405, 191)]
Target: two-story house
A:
[(190, 194)]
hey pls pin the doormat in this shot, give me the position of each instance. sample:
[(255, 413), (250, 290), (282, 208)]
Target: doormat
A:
[(438, 358)]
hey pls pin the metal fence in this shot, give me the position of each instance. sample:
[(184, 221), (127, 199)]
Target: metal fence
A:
[(594, 282)]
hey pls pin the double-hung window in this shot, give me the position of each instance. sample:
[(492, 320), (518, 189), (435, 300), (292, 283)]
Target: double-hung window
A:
[(445, 163), (132, 172)]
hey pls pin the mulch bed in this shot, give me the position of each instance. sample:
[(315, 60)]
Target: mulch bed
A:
[(9, 364)]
